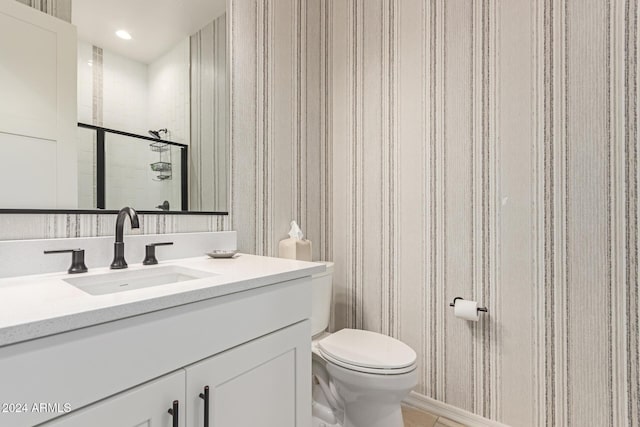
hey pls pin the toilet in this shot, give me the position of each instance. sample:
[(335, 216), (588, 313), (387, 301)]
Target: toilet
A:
[(359, 377)]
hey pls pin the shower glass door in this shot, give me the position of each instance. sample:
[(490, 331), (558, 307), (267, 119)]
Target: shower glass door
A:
[(122, 169)]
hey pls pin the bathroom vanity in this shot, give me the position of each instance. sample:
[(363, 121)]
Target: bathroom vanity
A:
[(191, 341), (224, 343)]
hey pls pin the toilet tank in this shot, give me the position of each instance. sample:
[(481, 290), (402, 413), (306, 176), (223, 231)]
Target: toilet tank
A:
[(321, 286)]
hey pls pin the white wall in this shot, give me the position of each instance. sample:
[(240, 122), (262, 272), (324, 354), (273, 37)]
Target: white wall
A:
[(168, 92), (125, 92), (86, 138), (85, 82)]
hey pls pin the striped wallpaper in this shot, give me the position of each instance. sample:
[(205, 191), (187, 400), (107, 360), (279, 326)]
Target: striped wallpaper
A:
[(434, 148), (58, 8), (488, 149), (209, 146), (279, 114), (52, 226)]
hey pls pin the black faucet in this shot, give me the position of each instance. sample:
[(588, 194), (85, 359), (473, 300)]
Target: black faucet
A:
[(77, 259), (118, 247)]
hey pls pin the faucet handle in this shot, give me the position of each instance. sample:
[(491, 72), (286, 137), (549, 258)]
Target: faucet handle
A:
[(150, 252), (77, 259)]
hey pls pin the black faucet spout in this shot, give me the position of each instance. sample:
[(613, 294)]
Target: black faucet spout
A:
[(122, 215), (118, 247)]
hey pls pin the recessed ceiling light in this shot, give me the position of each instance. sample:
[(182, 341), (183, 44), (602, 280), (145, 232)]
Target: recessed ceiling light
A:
[(123, 34)]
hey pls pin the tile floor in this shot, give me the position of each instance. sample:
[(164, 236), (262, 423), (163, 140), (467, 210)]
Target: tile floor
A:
[(416, 418)]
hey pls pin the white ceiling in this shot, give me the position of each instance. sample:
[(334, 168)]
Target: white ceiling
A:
[(155, 25)]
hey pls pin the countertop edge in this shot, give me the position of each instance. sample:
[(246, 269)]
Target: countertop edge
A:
[(21, 333)]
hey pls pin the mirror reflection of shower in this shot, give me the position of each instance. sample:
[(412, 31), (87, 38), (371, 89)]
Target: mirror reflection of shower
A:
[(164, 165), (156, 133)]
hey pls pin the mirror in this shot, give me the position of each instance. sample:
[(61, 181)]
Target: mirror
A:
[(152, 109)]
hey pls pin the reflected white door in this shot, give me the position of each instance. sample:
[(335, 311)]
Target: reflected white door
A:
[(38, 68)]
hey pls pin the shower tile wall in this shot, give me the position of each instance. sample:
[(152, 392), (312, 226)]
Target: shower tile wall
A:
[(124, 94), (168, 93), (125, 91), (86, 139), (86, 58)]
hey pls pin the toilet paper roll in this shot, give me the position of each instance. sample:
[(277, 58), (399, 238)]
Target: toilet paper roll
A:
[(467, 310)]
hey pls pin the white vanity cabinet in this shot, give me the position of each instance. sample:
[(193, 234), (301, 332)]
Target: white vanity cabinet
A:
[(254, 384), (251, 348)]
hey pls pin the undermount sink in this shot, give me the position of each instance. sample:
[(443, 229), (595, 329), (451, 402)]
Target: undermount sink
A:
[(122, 281)]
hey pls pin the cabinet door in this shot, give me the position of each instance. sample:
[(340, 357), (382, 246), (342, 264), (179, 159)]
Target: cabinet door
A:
[(265, 382), (146, 405)]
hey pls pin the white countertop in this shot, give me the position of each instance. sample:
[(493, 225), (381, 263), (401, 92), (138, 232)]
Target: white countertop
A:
[(41, 305)]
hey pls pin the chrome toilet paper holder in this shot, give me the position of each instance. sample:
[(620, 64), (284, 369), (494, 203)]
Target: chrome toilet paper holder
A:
[(453, 304)]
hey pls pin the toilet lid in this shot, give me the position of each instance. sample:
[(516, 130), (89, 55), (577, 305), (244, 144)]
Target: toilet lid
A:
[(367, 349)]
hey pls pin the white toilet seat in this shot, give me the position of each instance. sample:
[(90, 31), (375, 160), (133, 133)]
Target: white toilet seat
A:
[(367, 352), (365, 370)]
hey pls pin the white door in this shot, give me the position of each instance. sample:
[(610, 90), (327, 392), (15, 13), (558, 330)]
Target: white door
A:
[(146, 405), (265, 383), (38, 104)]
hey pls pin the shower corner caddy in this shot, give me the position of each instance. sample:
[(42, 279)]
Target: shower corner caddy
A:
[(163, 167)]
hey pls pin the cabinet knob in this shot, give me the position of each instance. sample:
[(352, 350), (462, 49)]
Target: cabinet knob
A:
[(174, 411), (205, 396)]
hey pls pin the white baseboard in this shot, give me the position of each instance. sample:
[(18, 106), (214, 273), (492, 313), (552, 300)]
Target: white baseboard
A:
[(441, 409)]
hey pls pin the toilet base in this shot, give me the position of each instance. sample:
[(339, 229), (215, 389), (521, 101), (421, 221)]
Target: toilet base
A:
[(317, 422), (393, 418), (383, 417), (322, 414), (371, 400), (362, 402)]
